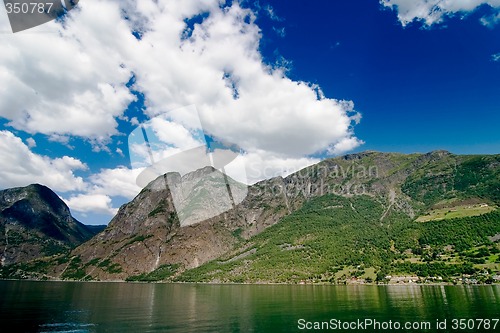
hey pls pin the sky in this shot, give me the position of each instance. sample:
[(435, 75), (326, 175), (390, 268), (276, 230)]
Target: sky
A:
[(284, 83)]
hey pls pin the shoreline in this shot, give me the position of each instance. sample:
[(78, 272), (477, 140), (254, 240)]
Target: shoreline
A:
[(263, 284)]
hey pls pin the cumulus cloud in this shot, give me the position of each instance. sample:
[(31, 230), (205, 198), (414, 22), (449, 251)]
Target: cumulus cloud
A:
[(77, 85), (253, 167), (345, 145), (94, 203), (21, 167), (435, 11), (31, 142), (102, 187), (240, 99), (119, 181), (70, 79), (495, 57)]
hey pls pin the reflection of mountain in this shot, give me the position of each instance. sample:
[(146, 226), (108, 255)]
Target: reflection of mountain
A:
[(348, 217), (35, 222)]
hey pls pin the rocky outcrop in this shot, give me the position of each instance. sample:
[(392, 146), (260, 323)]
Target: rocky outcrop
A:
[(147, 233)]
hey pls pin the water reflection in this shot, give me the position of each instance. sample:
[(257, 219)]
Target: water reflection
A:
[(121, 307)]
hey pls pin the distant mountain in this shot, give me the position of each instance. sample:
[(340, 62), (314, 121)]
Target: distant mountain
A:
[(35, 222), (357, 217)]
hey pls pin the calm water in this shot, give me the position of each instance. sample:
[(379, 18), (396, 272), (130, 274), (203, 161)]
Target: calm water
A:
[(121, 307)]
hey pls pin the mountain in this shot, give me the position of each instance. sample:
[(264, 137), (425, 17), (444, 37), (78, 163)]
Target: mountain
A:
[(361, 216), (431, 215), (35, 222), (148, 233)]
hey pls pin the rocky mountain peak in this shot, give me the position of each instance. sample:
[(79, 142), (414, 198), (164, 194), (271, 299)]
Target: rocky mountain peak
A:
[(200, 173), (439, 153)]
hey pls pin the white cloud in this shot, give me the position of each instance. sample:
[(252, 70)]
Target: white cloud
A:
[(102, 187), (77, 85), (495, 57), (173, 133), (271, 113), (116, 182), (95, 203), (345, 145), (134, 121), (434, 11), (490, 20), (72, 82), (21, 167), (31, 142), (262, 165), (269, 10), (68, 81), (64, 139)]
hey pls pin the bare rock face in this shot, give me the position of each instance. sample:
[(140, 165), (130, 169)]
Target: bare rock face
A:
[(183, 221), (35, 222), (203, 194)]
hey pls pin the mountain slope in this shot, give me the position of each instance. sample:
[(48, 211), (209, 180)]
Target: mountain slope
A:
[(35, 222), (333, 239), (340, 236), (327, 222), (146, 234)]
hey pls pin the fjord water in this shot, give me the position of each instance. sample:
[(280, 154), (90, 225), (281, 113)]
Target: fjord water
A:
[(125, 307)]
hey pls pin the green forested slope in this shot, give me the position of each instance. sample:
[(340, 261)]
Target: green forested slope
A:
[(334, 234)]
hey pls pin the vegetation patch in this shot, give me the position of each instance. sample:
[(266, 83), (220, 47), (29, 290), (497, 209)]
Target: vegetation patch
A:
[(114, 268), (161, 208), (349, 243), (74, 270), (93, 262), (110, 267), (162, 273), (136, 239), (456, 212)]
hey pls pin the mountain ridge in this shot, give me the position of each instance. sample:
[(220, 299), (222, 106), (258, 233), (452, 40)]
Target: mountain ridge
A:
[(145, 240)]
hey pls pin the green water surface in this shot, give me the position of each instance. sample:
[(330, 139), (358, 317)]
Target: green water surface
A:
[(127, 307)]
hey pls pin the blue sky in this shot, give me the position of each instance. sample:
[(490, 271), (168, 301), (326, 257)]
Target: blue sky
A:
[(289, 82), (418, 88)]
